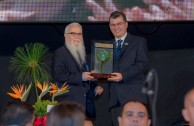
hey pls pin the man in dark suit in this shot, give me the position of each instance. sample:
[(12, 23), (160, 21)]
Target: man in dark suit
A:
[(130, 63), (69, 65)]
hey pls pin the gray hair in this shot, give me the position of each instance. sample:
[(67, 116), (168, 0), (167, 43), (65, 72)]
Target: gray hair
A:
[(70, 25)]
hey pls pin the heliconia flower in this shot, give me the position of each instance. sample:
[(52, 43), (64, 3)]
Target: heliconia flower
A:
[(20, 92), (58, 91), (44, 88)]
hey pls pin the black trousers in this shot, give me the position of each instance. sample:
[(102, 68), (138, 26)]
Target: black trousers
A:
[(103, 114), (115, 113)]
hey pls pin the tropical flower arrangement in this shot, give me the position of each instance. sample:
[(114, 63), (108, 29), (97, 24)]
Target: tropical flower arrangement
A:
[(40, 107), (30, 64)]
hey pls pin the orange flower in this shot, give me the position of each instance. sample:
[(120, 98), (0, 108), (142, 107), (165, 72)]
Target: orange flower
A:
[(20, 92), (44, 88), (58, 91), (54, 87)]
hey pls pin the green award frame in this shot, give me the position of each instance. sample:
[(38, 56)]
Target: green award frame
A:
[(102, 59)]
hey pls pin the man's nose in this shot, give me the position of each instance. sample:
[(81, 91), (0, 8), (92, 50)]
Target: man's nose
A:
[(135, 118)]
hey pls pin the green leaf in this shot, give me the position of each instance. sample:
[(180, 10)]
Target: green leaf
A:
[(40, 107), (45, 92), (58, 93), (25, 96), (29, 63)]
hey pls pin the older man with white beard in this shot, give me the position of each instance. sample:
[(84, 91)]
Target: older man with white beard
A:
[(69, 65)]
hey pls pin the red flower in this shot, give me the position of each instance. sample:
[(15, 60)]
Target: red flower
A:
[(44, 120), (40, 121)]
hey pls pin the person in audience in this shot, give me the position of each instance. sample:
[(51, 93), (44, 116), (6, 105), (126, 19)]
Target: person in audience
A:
[(188, 110), (134, 113), (88, 123), (18, 114), (70, 65), (66, 114)]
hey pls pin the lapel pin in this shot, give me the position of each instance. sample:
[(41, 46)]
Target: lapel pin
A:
[(126, 44)]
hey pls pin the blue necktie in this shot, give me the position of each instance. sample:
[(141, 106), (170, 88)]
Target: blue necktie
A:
[(118, 49)]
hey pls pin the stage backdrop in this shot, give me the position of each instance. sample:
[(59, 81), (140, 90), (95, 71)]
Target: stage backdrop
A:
[(171, 50)]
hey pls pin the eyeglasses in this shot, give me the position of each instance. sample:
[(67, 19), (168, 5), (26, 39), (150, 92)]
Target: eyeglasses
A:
[(75, 34), (118, 24)]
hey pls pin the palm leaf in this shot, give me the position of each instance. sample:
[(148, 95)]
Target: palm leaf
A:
[(29, 63)]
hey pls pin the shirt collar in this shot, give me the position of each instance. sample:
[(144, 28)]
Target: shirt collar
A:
[(122, 38)]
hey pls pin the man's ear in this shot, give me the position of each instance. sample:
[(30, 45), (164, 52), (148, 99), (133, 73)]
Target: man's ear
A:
[(149, 122), (185, 114), (119, 120)]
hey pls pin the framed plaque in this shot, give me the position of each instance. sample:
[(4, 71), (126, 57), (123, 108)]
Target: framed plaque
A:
[(102, 59)]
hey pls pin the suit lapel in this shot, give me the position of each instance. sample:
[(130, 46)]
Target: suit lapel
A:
[(126, 43)]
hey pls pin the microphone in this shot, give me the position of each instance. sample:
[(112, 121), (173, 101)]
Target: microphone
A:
[(148, 86), (149, 77)]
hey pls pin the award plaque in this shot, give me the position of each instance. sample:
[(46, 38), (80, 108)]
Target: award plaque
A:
[(102, 59)]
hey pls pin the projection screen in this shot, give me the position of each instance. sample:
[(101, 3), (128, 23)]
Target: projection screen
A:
[(94, 10)]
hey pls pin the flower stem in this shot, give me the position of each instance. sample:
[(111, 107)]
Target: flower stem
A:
[(53, 98), (34, 82)]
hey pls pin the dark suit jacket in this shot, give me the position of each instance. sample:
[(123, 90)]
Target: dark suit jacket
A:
[(132, 64), (66, 69)]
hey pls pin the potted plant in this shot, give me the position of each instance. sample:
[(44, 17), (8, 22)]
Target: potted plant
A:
[(30, 65), (40, 107)]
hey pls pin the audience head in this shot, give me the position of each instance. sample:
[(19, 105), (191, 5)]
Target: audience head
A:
[(88, 123), (134, 113), (118, 24), (66, 114), (18, 113), (188, 111), (74, 42)]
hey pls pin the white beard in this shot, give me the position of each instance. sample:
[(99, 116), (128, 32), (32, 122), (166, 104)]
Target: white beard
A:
[(75, 50)]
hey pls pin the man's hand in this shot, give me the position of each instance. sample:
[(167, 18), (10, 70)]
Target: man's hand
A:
[(116, 77), (98, 90), (86, 76)]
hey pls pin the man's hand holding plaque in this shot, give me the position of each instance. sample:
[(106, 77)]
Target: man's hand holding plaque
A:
[(116, 77)]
